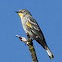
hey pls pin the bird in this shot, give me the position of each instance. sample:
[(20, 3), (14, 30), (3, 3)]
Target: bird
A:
[(32, 29)]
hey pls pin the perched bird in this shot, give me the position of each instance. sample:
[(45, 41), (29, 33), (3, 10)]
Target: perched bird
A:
[(32, 29)]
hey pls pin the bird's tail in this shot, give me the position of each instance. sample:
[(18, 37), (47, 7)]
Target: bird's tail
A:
[(49, 53)]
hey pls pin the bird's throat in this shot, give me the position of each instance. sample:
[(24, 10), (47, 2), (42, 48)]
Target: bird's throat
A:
[(20, 15)]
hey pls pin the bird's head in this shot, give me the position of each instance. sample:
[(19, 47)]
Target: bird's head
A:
[(23, 12)]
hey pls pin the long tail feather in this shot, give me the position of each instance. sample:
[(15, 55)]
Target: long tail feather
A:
[(49, 53)]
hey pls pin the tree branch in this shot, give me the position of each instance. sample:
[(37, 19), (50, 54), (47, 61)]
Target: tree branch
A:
[(31, 47)]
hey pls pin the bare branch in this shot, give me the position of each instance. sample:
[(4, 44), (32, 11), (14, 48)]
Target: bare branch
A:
[(31, 47)]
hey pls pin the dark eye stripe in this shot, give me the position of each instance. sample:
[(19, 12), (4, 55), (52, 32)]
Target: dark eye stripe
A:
[(20, 11)]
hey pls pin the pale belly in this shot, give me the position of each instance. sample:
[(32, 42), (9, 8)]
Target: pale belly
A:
[(27, 30)]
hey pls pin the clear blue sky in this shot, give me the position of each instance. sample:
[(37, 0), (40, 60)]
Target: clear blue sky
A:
[(48, 14)]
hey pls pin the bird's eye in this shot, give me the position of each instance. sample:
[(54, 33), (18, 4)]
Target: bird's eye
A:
[(22, 11)]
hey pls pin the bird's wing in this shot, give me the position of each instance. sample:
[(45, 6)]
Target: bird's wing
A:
[(34, 27), (33, 23)]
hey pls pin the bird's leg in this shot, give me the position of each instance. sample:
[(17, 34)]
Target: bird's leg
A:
[(27, 35), (28, 39)]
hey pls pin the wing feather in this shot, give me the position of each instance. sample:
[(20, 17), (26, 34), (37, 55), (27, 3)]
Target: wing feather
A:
[(35, 28), (33, 23)]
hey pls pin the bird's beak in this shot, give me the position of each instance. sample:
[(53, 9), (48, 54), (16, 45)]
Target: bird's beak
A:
[(17, 11)]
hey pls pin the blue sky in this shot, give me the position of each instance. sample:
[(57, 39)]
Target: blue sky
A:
[(48, 14)]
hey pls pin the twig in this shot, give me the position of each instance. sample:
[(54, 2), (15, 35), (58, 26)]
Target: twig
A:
[(31, 47)]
